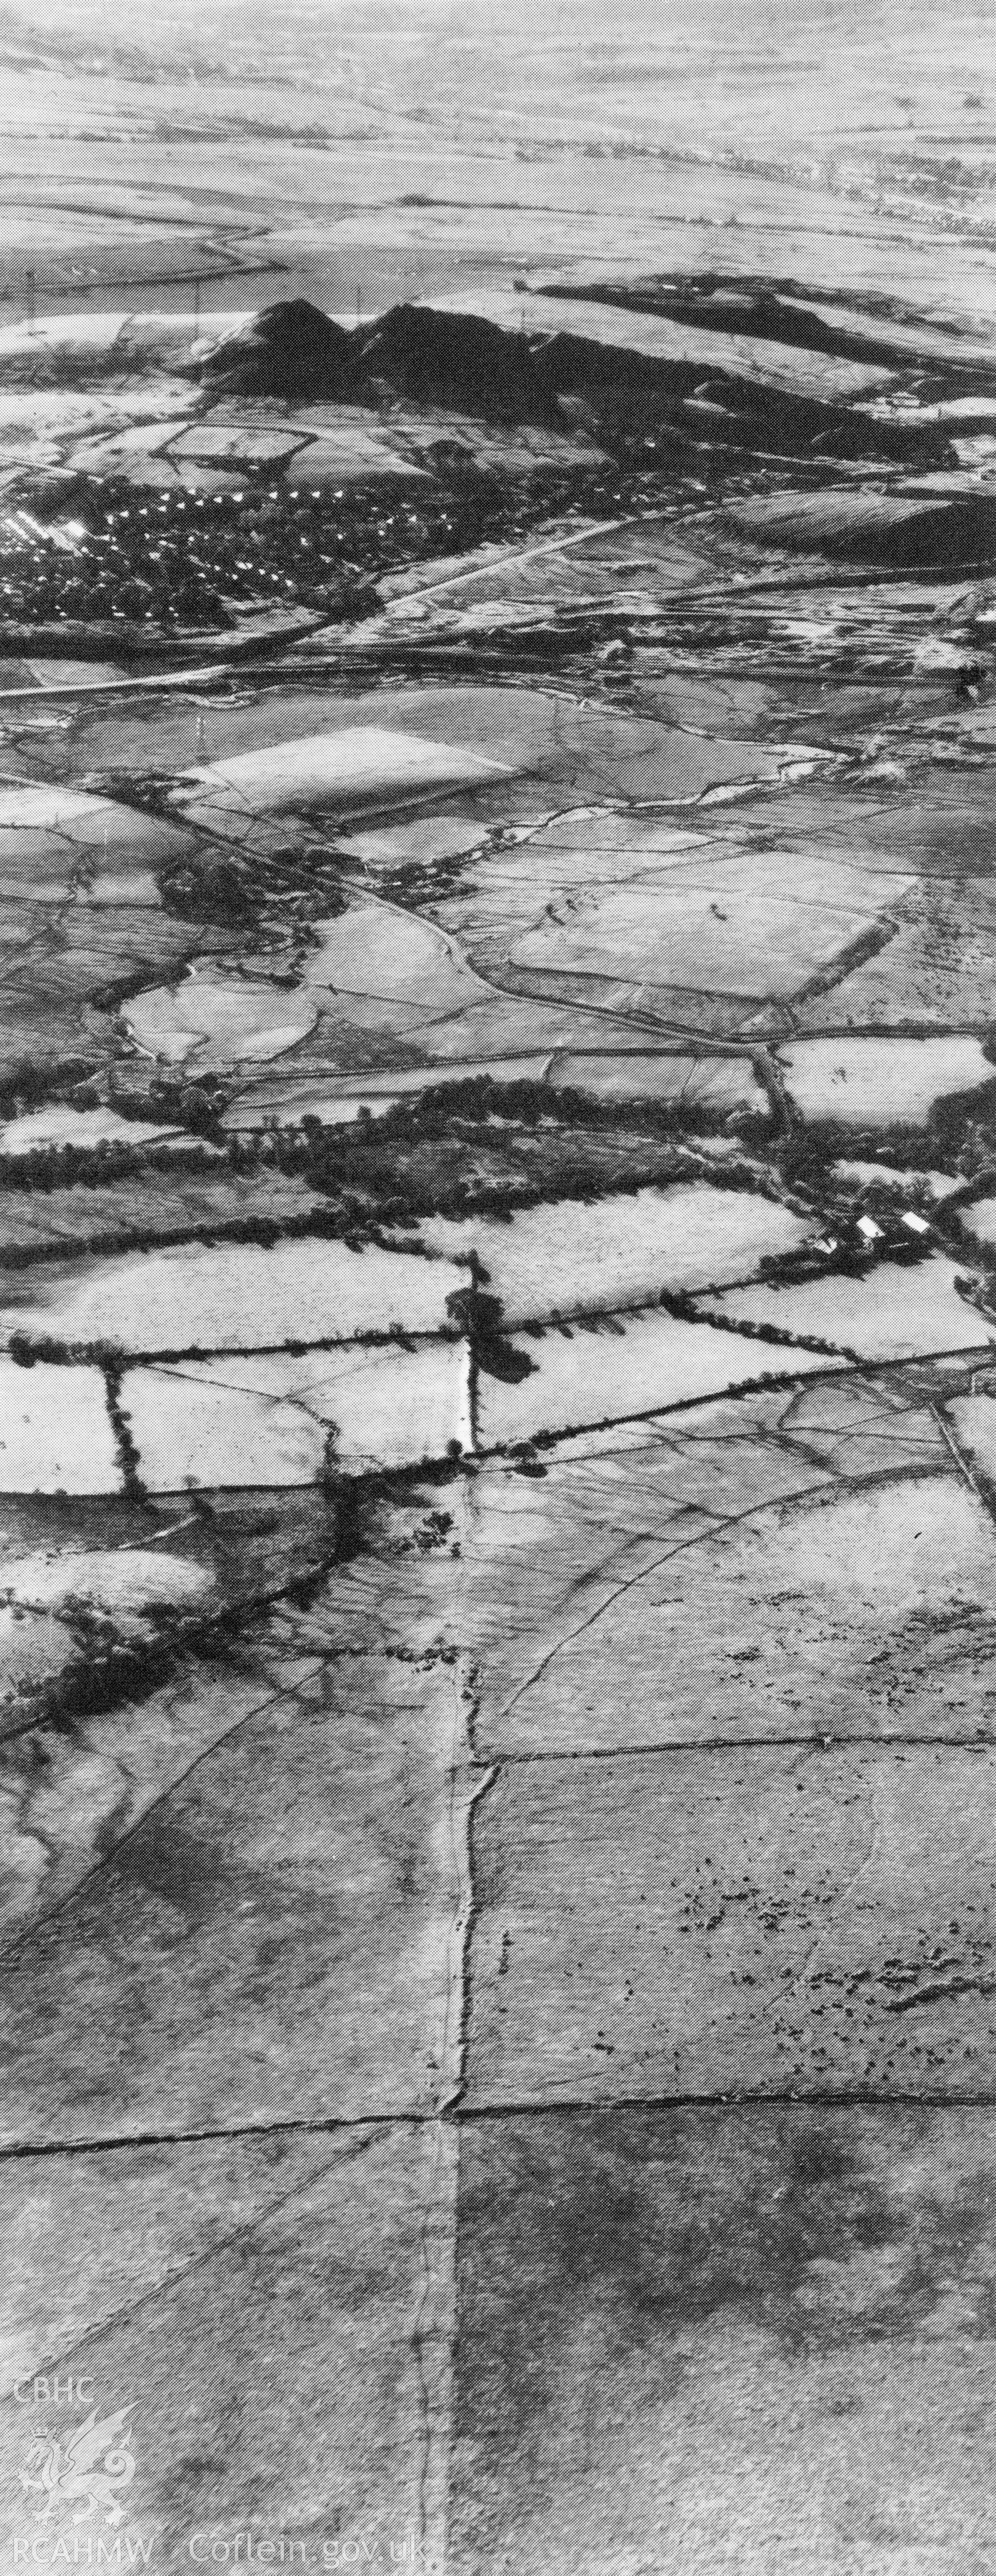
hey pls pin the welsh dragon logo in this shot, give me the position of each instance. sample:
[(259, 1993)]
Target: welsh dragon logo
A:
[(88, 2472)]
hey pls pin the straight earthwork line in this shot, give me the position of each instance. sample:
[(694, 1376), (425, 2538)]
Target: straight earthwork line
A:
[(462, 2114), (855, 2097), (815, 1742)]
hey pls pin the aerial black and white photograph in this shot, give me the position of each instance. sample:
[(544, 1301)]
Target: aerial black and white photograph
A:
[(498, 1287)]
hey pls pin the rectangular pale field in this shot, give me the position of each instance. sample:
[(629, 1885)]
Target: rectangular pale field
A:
[(191, 1427), (55, 1432), (41, 1129), (708, 1081), (720, 940), (388, 955), (383, 1407), (238, 1297), (890, 1313), (880, 1082), (566, 1258), (641, 1366), (361, 761)]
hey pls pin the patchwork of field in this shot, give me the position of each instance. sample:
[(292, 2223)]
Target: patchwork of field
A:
[(712, 1083), (497, 1331), (697, 911), (611, 905), (294, 1421)]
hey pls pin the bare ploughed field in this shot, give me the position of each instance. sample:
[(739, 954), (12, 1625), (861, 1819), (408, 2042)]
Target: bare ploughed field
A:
[(498, 1279)]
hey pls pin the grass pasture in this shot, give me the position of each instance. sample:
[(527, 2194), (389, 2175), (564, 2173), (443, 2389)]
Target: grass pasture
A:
[(880, 1082), (245, 1297), (564, 1258)]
